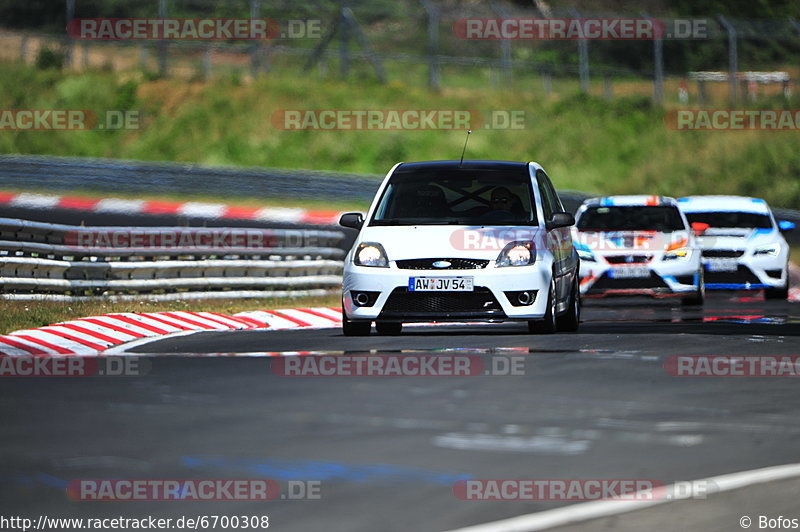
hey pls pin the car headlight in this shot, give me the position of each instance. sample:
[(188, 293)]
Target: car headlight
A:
[(518, 253), (678, 251), (371, 254), (586, 255), (771, 250), (680, 254)]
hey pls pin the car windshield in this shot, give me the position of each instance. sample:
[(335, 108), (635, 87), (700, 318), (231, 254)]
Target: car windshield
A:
[(664, 219), (742, 220), (433, 196)]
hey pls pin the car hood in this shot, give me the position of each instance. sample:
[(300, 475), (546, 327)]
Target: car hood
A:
[(622, 242), (447, 241), (737, 238)]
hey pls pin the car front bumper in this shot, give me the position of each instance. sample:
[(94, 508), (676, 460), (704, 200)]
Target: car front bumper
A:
[(753, 272), (665, 279), (488, 301)]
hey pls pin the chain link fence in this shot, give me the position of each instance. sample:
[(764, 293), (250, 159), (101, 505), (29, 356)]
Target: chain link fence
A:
[(417, 42)]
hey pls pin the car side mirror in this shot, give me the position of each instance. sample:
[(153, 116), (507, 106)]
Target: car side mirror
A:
[(786, 226), (699, 228), (560, 219), (353, 220)]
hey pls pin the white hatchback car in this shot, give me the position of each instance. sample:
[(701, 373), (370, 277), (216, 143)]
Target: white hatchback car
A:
[(637, 245), (743, 248), (461, 241)]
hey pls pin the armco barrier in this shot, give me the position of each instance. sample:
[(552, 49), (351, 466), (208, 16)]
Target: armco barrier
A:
[(76, 261)]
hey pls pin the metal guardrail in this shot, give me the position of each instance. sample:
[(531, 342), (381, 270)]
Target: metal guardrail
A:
[(43, 258), (68, 173)]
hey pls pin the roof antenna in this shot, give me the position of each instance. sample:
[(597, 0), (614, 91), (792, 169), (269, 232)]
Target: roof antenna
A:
[(460, 164)]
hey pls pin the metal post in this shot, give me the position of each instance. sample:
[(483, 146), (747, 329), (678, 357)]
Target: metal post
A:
[(142, 56), (351, 22), (658, 76), (344, 46), (207, 63), (583, 58), (85, 55), (701, 92), (607, 90), (787, 85), (658, 66), (162, 44), (23, 49), (434, 77), (70, 43), (547, 81), (505, 45), (733, 58), (255, 12)]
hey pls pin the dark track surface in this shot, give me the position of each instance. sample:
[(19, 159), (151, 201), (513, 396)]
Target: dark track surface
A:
[(597, 404)]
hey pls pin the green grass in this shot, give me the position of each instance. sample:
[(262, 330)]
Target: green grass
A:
[(585, 143), (16, 315)]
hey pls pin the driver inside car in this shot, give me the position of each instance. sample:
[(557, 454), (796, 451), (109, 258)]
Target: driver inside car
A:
[(504, 201)]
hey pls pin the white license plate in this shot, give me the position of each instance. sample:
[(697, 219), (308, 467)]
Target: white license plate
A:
[(631, 272), (440, 284), (724, 265)]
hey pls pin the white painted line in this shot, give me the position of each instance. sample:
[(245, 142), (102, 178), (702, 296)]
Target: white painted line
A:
[(202, 210), (111, 320), (14, 336), (35, 201), (99, 329), (335, 314), (280, 214), (311, 319), (123, 349), (12, 351), (578, 513), (197, 318), (54, 339), (231, 323), (119, 205), (147, 320), (273, 321)]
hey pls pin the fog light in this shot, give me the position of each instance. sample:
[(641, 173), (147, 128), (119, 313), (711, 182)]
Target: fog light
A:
[(522, 298), (364, 299)]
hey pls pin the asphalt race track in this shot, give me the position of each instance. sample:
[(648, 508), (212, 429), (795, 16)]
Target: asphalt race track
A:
[(387, 451)]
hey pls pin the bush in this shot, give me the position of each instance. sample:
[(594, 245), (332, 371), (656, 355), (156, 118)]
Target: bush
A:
[(48, 58)]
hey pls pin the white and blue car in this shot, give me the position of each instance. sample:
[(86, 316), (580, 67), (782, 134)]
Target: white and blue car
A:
[(637, 245), (742, 245)]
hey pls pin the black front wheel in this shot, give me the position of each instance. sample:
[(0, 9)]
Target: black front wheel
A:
[(570, 320), (781, 293), (548, 325), (355, 328), (699, 297)]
